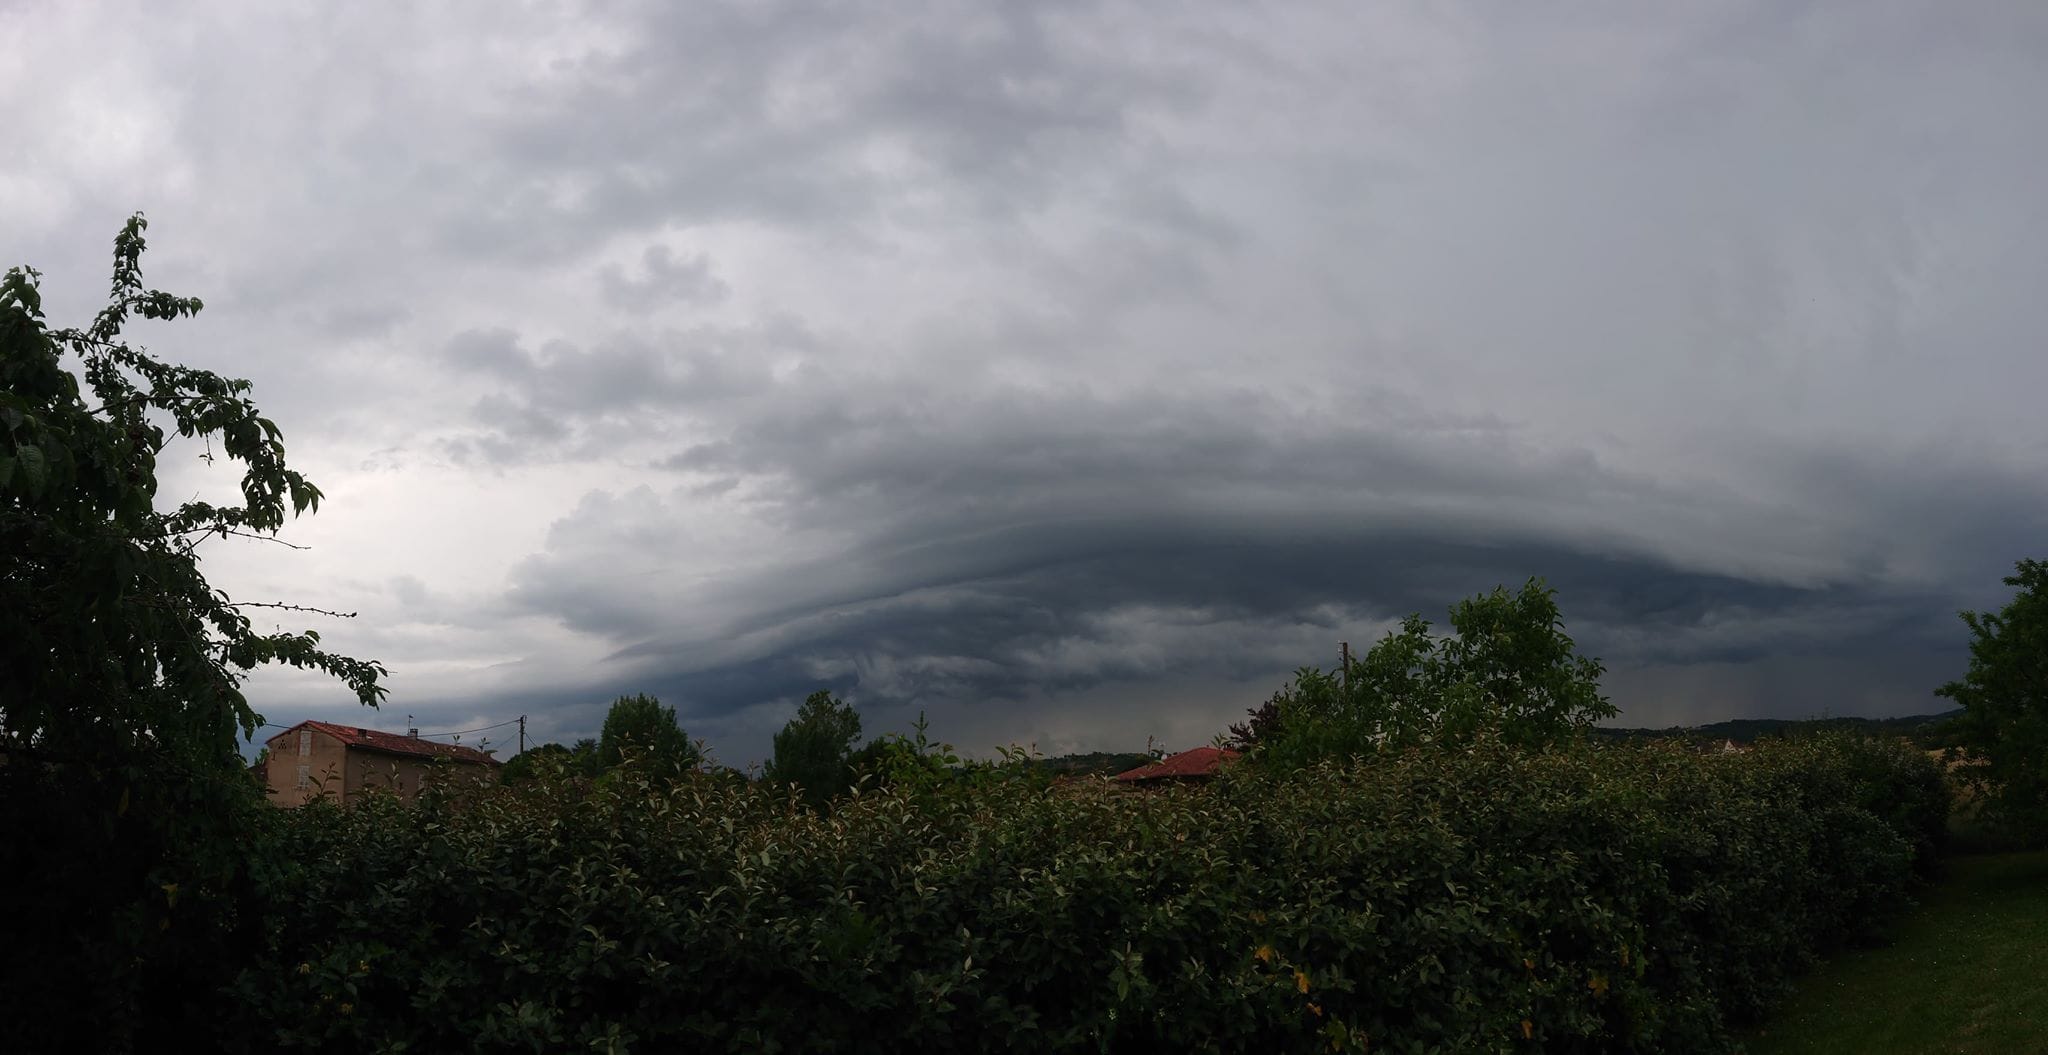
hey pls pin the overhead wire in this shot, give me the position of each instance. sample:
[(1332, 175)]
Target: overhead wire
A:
[(428, 736)]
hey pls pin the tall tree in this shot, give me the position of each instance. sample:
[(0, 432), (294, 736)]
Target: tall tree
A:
[(123, 800), (814, 751), (640, 726), (2004, 696)]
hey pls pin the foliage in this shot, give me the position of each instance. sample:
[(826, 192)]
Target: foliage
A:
[(914, 763), (1508, 669), (2004, 697), (1589, 898), (123, 799), (114, 640), (814, 752), (1261, 726), (640, 726), (920, 767), (552, 761)]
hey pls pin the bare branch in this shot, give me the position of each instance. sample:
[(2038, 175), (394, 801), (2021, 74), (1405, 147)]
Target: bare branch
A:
[(250, 534), (291, 607)]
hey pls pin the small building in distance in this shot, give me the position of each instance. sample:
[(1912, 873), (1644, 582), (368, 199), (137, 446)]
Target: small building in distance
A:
[(312, 759), (1198, 764)]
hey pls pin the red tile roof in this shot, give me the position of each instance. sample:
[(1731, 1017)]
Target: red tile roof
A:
[(394, 743), (1201, 762)]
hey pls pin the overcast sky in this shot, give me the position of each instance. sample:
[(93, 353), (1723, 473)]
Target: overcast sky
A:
[(1074, 371)]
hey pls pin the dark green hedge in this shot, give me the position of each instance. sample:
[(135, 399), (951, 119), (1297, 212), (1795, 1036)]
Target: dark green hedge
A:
[(1622, 898)]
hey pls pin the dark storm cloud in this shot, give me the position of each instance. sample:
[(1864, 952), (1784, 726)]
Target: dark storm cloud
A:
[(1227, 613), (1957, 512), (1068, 368), (1001, 548)]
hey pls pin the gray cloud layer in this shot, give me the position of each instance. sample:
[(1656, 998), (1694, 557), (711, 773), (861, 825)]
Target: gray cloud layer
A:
[(1073, 371)]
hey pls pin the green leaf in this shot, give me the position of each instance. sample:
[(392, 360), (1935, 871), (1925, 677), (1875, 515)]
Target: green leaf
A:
[(35, 469), (6, 469)]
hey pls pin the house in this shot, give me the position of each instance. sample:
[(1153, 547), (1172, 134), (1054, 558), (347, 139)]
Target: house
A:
[(312, 759), (1198, 764)]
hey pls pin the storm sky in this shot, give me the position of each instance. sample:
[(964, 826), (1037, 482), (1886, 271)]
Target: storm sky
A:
[(1074, 371)]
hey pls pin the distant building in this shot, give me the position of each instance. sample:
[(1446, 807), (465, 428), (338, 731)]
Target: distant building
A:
[(1198, 764), (312, 759)]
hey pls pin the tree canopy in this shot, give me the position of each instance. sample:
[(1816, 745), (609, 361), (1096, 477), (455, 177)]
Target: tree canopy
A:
[(640, 726), (815, 750), (2004, 696), (113, 637), (1508, 669), (124, 803)]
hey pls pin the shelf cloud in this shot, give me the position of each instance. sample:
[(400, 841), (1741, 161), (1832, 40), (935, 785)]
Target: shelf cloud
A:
[(1073, 372)]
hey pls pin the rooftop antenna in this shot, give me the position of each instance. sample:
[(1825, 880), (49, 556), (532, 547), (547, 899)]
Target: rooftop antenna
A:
[(410, 729)]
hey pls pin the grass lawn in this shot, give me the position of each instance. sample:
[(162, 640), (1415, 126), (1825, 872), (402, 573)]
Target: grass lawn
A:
[(1968, 973)]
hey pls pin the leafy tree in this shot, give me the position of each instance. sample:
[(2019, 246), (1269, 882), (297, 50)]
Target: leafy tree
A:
[(639, 725), (124, 802), (552, 760), (815, 750), (115, 640), (2004, 697), (1507, 668), (1261, 724), (530, 764)]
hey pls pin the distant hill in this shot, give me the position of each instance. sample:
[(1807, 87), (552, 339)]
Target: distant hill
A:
[(1927, 730), (1093, 763)]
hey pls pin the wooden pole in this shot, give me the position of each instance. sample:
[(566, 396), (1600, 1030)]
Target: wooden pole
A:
[(1344, 654)]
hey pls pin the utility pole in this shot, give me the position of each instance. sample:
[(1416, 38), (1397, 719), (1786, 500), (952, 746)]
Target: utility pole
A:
[(1344, 654), (522, 734)]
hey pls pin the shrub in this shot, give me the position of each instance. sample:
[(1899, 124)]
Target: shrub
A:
[(1636, 897)]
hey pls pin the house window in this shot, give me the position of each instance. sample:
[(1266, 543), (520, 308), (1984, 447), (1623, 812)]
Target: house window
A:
[(305, 776), (305, 742)]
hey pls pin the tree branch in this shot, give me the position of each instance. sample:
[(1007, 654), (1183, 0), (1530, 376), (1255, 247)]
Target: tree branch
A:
[(225, 531), (291, 607)]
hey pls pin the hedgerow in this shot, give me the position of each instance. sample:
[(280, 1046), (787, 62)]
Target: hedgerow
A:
[(1489, 898)]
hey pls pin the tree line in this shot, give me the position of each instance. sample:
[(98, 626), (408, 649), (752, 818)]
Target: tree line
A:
[(818, 754)]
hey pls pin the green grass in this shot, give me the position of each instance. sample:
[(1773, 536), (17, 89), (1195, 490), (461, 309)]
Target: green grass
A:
[(1967, 973)]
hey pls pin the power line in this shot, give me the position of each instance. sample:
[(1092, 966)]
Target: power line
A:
[(462, 732), (426, 736)]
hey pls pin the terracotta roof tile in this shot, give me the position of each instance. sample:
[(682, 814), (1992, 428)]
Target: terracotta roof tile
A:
[(394, 743), (1200, 762)]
